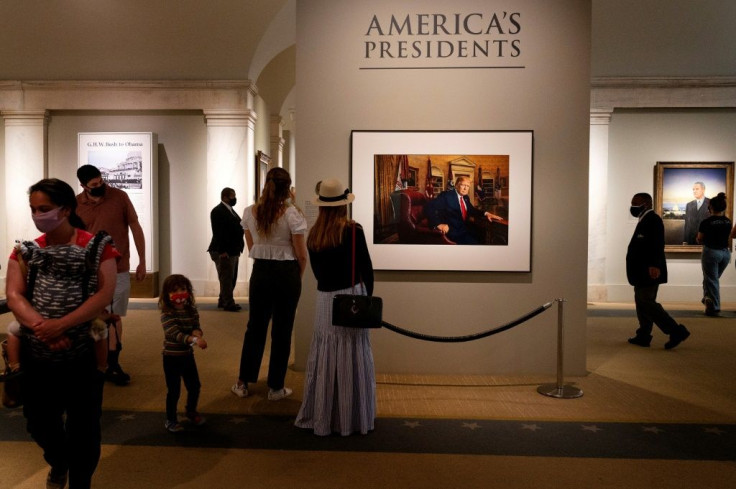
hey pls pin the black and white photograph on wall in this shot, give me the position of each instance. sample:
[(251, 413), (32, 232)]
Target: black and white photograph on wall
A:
[(120, 168), (441, 200), (127, 161), (683, 191)]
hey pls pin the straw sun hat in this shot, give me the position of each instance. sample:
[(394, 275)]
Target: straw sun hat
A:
[(332, 193)]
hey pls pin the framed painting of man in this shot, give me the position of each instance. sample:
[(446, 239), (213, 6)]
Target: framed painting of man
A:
[(682, 193)]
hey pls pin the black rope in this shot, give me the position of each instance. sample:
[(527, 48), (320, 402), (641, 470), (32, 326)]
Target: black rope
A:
[(470, 337)]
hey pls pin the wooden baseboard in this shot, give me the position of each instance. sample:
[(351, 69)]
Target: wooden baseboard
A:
[(148, 287)]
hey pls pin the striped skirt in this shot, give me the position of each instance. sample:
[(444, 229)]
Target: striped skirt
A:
[(340, 383)]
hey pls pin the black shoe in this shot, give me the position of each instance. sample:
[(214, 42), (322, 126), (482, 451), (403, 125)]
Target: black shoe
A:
[(677, 338), (232, 308), (56, 479), (641, 341), (117, 376)]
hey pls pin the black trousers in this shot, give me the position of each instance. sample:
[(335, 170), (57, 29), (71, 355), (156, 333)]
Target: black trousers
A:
[(176, 369), (650, 312), (62, 406), (227, 274), (275, 287)]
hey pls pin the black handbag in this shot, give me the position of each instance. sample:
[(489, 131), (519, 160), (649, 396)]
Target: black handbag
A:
[(356, 311)]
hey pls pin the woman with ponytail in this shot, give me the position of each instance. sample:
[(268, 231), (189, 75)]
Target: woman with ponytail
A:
[(275, 235), (714, 234)]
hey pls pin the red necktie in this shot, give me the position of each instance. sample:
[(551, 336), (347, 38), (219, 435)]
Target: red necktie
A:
[(463, 209)]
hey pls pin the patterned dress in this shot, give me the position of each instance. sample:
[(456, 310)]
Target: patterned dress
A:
[(340, 381)]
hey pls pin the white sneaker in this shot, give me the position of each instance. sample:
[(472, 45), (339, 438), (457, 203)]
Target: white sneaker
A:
[(239, 390), (277, 395)]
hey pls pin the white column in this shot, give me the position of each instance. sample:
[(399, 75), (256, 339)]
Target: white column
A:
[(277, 142), (290, 138), (230, 163), (26, 162), (600, 121)]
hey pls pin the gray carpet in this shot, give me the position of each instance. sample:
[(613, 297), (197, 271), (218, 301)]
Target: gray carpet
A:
[(437, 436)]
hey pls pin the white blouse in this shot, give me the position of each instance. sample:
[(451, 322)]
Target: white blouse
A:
[(278, 245)]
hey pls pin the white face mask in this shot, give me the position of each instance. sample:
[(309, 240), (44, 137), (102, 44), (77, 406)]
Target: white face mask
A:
[(48, 221)]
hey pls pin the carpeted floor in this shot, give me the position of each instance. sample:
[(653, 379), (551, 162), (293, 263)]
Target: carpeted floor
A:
[(648, 418)]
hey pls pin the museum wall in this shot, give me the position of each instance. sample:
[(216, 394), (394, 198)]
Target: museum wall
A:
[(5, 243), (183, 212), (262, 132), (549, 96), (663, 38), (183, 217), (638, 140), (677, 39)]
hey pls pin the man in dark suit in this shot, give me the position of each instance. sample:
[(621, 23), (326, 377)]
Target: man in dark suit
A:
[(646, 268), (695, 211), (226, 246), (451, 212)]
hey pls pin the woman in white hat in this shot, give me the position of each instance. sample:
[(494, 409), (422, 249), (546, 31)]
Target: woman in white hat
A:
[(274, 232), (340, 383)]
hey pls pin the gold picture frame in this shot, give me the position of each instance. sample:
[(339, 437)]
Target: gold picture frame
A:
[(677, 184)]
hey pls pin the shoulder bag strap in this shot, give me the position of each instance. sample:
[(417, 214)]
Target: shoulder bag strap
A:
[(352, 261)]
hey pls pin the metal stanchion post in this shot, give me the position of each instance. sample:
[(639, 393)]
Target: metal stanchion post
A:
[(560, 390)]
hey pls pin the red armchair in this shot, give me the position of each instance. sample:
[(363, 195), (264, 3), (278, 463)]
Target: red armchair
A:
[(413, 227)]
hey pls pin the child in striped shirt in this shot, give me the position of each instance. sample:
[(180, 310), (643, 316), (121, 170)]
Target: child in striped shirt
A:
[(180, 322)]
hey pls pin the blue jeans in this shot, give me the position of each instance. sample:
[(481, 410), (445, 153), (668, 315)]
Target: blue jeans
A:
[(714, 262)]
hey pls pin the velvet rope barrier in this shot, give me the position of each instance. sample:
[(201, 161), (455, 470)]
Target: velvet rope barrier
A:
[(558, 390), (470, 337)]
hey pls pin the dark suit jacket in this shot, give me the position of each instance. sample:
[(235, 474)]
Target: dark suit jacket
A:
[(227, 233), (445, 209), (693, 216), (646, 249)]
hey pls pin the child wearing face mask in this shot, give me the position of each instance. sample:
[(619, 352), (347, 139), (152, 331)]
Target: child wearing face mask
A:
[(180, 322)]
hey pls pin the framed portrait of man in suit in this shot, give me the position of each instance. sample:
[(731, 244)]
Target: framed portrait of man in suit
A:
[(433, 200), (682, 194)]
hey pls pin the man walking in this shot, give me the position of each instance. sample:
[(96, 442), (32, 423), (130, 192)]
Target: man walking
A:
[(106, 208), (226, 246), (646, 268)]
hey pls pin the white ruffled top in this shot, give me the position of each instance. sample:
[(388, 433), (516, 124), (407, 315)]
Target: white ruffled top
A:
[(278, 245)]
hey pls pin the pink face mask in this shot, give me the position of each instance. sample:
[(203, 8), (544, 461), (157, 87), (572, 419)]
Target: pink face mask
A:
[(48, 221), (179, 298)]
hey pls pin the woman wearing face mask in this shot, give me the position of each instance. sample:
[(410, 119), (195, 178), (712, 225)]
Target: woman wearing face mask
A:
[(56, 286)]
